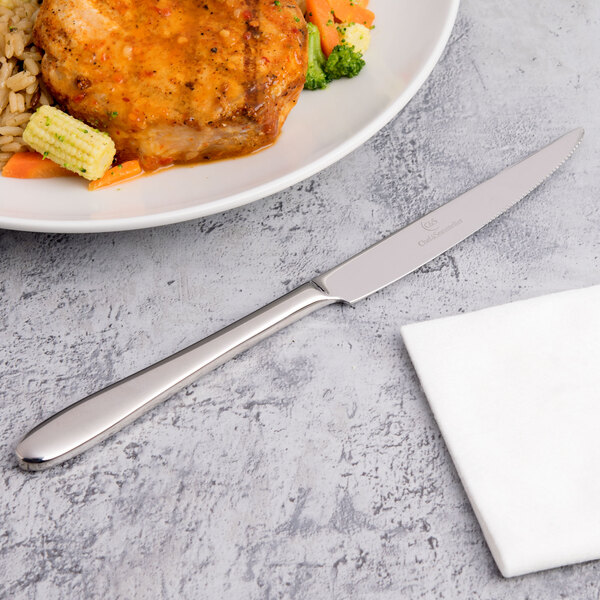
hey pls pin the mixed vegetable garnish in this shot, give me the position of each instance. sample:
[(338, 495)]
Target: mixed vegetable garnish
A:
[(339, 33), (66, 145)]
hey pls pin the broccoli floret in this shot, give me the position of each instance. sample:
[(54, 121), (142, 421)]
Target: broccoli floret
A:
[(343, 61), (316, 79)]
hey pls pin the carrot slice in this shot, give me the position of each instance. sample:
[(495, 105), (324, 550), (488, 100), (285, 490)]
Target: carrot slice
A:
[(31, 165), (319, 13), (117, 174), (349, 11)]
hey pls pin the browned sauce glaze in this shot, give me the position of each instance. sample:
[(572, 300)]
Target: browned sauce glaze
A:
[(176, 80)]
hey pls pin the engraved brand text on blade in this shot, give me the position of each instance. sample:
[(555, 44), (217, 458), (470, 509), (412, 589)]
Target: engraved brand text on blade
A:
[(437, 234)]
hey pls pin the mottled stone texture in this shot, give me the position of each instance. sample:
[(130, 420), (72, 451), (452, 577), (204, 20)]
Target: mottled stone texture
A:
[(310, 467)]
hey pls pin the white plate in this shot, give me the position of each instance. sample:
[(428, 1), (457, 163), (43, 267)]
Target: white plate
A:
[(409, 38)]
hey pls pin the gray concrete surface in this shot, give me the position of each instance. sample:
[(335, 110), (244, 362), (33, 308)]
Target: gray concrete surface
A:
[(310, 467)]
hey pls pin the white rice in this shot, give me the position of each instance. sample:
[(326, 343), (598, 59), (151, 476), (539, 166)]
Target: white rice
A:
[(21, 87)]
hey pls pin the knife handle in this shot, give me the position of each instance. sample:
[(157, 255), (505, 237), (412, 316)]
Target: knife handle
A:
[(93, 419)]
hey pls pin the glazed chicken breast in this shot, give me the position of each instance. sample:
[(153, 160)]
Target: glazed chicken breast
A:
[(175, 80)]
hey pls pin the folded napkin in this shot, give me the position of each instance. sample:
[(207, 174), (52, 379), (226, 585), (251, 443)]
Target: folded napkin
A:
[(515, 390)]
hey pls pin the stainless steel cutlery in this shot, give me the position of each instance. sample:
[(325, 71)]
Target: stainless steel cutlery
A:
[(98, 416)]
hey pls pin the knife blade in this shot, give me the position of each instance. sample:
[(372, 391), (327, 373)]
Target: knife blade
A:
[(93, 419), (428, 237)]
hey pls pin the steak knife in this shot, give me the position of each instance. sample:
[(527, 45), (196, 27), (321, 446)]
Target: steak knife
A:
[(87, 422)]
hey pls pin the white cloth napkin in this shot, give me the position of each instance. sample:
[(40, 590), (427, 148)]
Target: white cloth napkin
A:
[(515, 390)]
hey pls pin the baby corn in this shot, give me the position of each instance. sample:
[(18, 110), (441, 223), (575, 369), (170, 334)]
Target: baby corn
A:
[(69, 142)]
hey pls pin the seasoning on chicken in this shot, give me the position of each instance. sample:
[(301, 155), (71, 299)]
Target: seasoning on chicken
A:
[(176, 80)]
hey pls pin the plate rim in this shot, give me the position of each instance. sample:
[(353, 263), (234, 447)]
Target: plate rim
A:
[(255, 193)]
